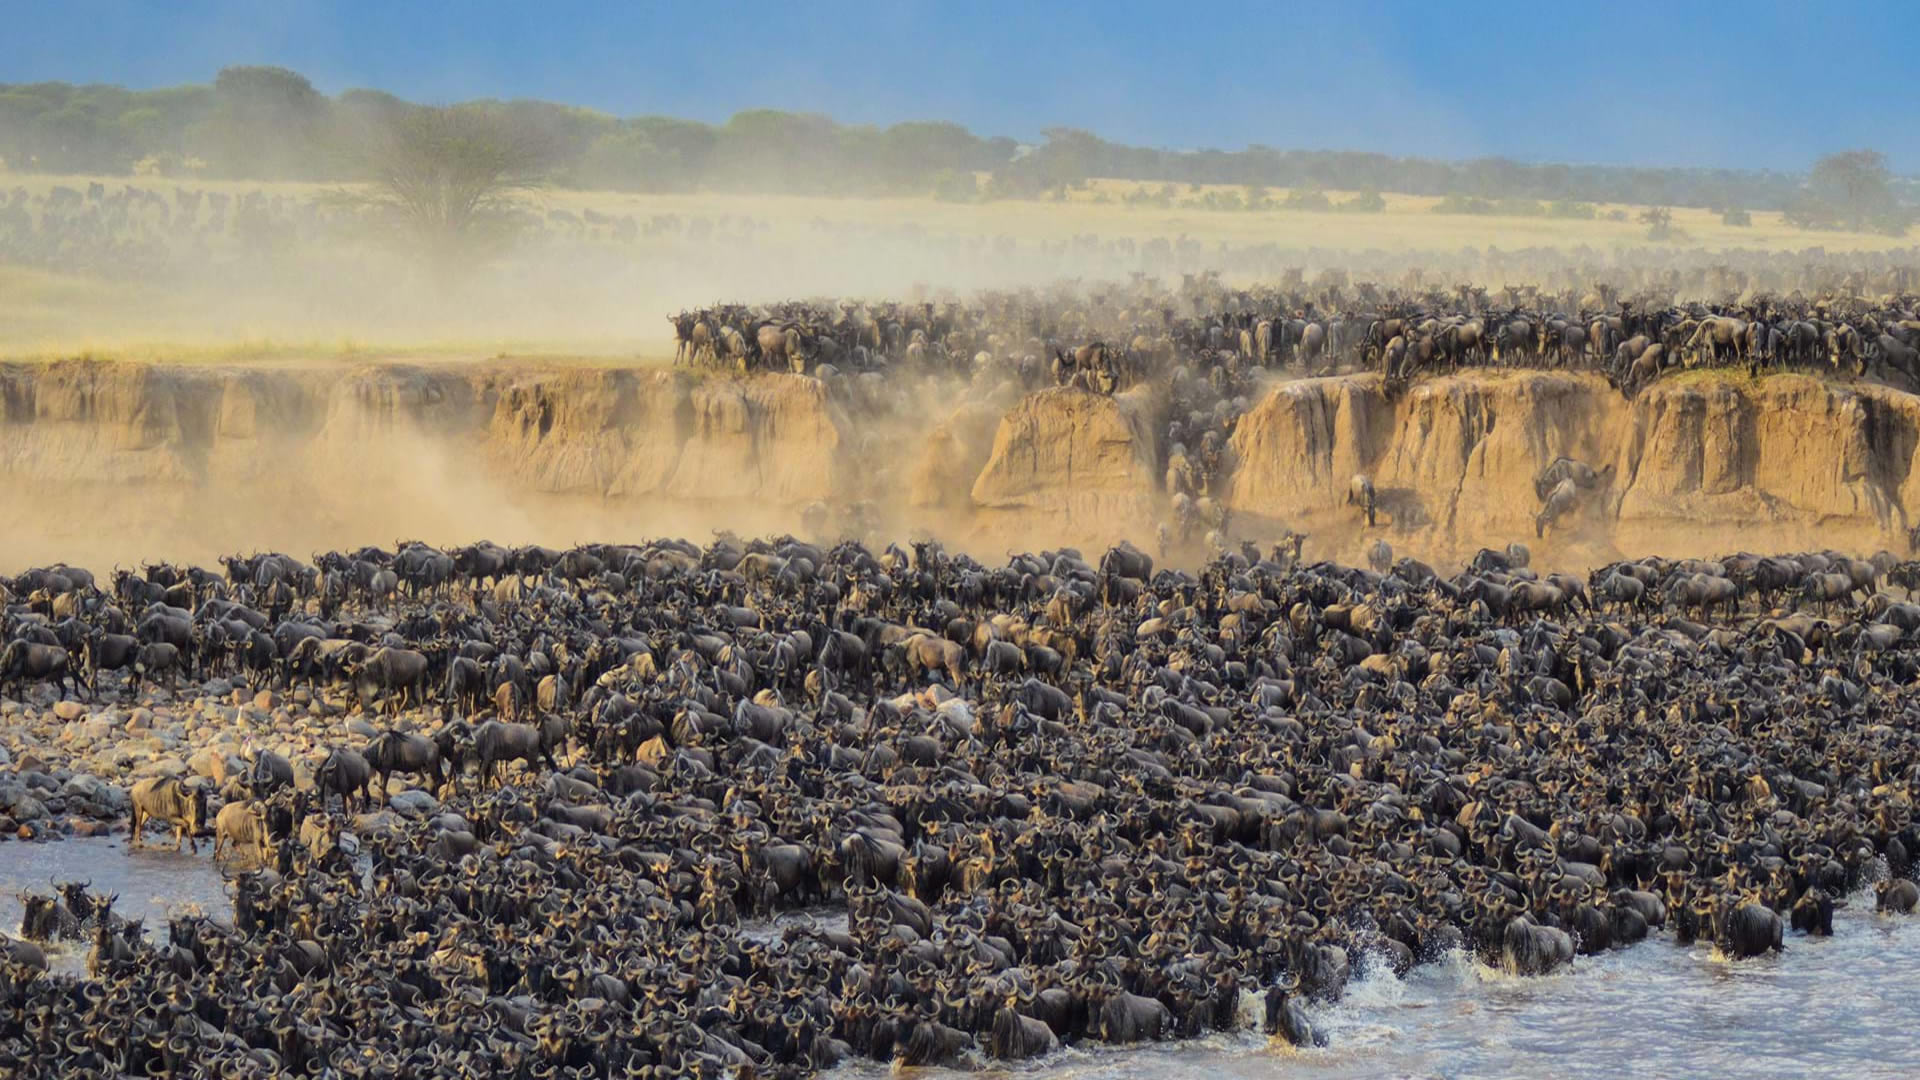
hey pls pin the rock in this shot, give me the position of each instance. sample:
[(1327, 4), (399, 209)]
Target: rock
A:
[(6, 758), (82, 827), (217, 688), (82, 786), (7, 825), (415, 803), (69, 710), (266, 701), (1091, 458), (210, 763), (29, 809), (357, 726), (140, 720), (113, 799)]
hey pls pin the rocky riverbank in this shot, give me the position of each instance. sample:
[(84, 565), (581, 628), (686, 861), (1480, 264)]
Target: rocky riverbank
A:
[(66, 764)]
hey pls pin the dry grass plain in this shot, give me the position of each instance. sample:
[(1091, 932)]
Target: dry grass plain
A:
[(588, 299)]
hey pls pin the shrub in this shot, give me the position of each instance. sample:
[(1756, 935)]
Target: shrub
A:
[(1366, 202)]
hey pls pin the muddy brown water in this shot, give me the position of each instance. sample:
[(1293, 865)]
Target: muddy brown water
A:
[(1844, 1006)]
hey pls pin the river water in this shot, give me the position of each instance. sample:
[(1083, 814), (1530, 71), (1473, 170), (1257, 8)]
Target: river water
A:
[(1846, 1006)]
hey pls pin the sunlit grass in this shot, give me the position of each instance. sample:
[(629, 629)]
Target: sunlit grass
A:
[(314, 310)]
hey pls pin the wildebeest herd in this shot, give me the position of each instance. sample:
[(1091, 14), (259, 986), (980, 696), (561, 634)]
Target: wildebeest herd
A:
[(1113, 338), (1061, 800)]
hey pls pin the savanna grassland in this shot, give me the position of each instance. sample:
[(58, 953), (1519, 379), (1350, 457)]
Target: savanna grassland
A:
[(590, 274)]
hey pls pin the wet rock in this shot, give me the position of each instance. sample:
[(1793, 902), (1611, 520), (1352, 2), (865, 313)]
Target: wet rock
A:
[(28, 809)]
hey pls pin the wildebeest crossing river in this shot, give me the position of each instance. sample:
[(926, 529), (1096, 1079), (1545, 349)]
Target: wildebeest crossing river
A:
[(777, 809), (1834, 1006)]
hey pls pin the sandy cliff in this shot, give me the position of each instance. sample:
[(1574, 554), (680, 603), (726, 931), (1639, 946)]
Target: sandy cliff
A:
[(1695, 464), (106, 461)]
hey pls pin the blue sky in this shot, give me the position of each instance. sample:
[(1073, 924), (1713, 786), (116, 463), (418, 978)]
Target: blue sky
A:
[(1758, 85)]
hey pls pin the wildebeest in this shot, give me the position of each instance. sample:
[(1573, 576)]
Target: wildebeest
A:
[(167, 800), (496, 741), (1559, 503), (345, 773), (399, 675), (394, 751), (25, 661), (240, 823), (157, 661), (1360, 493)]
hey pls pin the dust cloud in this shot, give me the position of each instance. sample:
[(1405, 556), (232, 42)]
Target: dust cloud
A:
[(294, 382)]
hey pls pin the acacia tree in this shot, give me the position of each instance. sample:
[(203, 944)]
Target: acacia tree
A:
[(453, 177), (1855, 184)]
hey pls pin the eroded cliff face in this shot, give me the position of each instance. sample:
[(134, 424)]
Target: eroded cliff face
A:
[(109, 460), (102, 461), (1089, 463), (1693, 465)]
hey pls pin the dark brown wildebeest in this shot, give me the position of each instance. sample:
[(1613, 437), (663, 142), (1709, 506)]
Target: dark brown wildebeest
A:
[(496, 741), (34, 662), (393, 751)]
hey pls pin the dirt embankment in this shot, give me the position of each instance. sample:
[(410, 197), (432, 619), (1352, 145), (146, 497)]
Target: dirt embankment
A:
[(109, 461), (1688, 466), (105, 461)]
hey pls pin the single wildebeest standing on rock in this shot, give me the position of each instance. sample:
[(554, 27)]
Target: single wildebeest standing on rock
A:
[(344, 773), (33, 662), (393, 751), (496, 741), (389, 670)]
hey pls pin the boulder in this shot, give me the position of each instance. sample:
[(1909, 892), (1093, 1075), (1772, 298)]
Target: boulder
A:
[(69, 710)]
